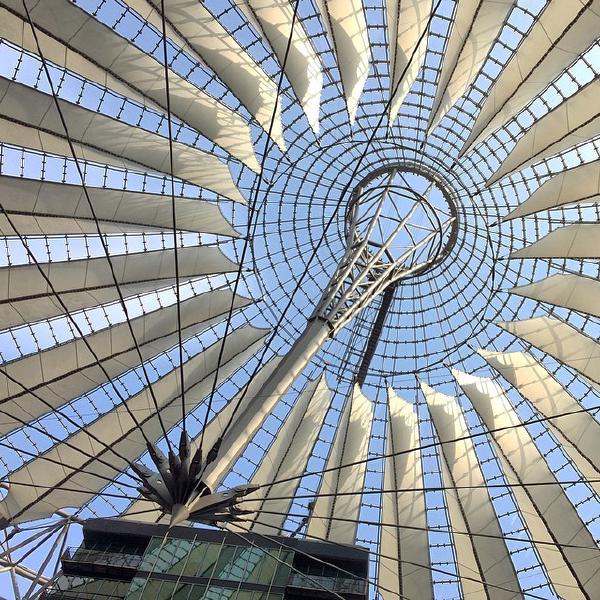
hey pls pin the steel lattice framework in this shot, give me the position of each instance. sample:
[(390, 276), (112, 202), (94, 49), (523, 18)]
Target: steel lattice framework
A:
[(187, 279)]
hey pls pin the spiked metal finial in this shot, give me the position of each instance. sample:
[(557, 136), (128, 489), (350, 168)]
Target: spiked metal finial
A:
[(177, 487)]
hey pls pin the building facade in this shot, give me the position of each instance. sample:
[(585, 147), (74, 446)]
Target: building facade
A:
[(123, 560)]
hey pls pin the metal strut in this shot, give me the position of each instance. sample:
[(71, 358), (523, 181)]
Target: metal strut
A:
[(373, 340)]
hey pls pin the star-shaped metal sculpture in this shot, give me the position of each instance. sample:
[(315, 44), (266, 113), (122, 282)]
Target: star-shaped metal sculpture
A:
[(178, 489)]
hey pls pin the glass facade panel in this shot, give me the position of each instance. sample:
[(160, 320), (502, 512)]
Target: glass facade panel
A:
[(142, 588), (183, 591), (246, 564), (214, 592), (227, 566), (203, 559), (168, 557), (282, 574), (165, 561), (255, 560), (199, 567), (84, 588)]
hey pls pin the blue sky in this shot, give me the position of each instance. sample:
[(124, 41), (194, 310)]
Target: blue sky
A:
[(300, 193)]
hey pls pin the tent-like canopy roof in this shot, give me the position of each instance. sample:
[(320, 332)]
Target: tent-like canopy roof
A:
[(175, 184)]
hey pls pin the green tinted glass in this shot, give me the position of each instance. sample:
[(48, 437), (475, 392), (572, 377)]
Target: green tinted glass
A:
[(283, 571), (252, 559), (167, 557), (164, 591), (203, 560), (226, 562), (215, 592)]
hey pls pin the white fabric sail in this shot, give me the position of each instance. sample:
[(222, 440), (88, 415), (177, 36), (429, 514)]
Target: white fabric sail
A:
[(578, 240), (476, 25), (80, 43), (407, 21), (469, 506), (218, 49), (351, 444), (346, 25), (575, 120), (403, 570), (563, 30), (65, 372), (28, 200), (580, 185), (562, 341), (287, 456), (518, 449), (579, 433), (25, 283), (78, 282), (568, 290), (117, 430), (116, 140), (275, 20)]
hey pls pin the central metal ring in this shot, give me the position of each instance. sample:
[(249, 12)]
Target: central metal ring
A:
[(403, 216)]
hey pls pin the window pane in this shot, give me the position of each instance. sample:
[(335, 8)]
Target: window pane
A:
[(182, 591), (252, 558), (173, 556), (269, 565), (238, 566), (142, 588), (214, 592), (203, 559), (226, 558), (244, 595), (169, 557), (282, 574)]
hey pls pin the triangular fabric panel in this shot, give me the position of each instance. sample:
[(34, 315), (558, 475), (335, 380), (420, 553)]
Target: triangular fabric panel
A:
[(232, 64), (115, 139), (560, 574), (407, 21), (477, 24), (24, 281), (15, 28), (67, 371), (351, 445), (131, 211), (403, 548), (483, 558), (274, 19), (150, 12), (27, 309), (118, 430), (579, 433), (30, 225), (563, 30), (82, 44), (346, 24), (578, 240), (30, 138), (575, 120), (574, 186), (517, 447), (576, 292), (288, 457), (562, 341)]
